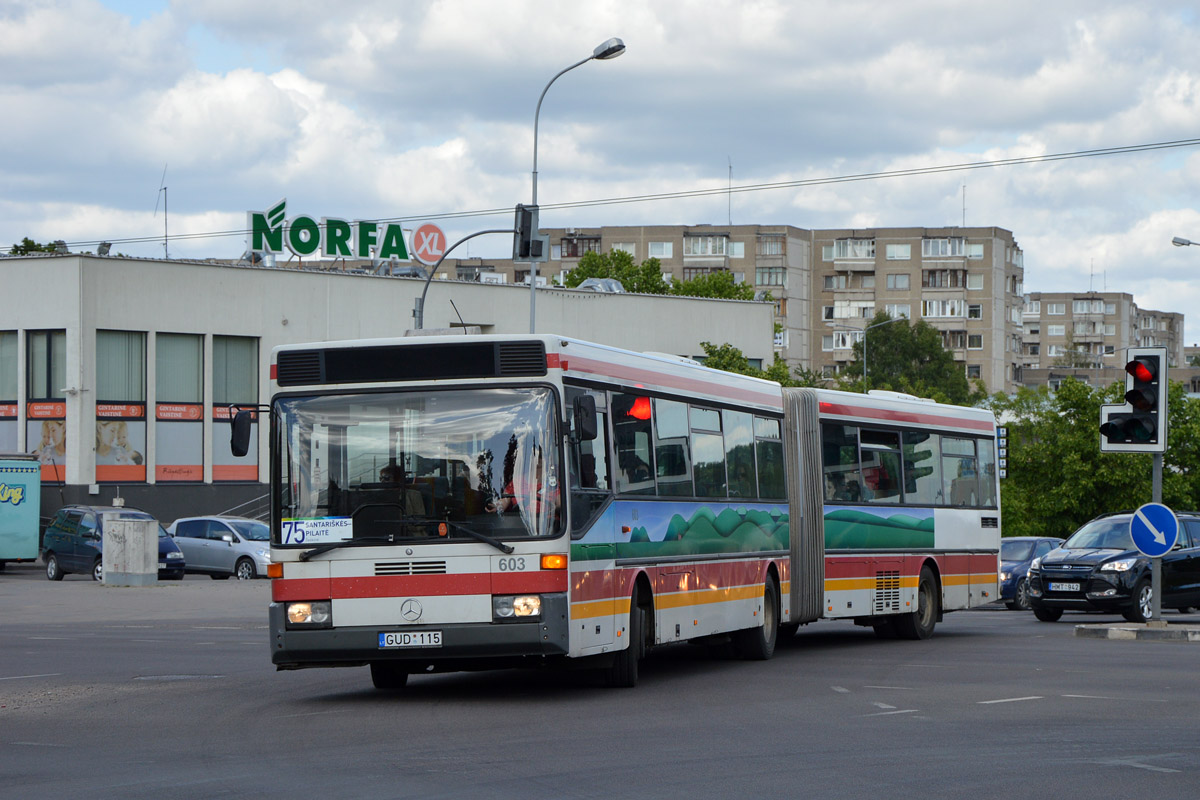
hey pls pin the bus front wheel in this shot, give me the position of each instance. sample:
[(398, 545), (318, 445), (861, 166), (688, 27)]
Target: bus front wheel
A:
[(623, 672)]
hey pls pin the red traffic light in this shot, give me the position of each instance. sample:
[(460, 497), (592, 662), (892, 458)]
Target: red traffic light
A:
[(1143, 369)]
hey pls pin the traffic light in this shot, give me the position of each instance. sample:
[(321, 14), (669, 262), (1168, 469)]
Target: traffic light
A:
[(527, 245), (1141, 424)]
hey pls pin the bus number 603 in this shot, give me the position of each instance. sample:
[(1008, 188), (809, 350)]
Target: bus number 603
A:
[(514, 564)]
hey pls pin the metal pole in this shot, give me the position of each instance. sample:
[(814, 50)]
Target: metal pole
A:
[(1156, 563), (533, 264), (419, 307)]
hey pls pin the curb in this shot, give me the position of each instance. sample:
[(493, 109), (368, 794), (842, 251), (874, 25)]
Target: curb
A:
[(1140, 632)]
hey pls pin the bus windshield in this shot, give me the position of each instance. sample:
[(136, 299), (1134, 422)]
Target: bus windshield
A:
[(420, 465)]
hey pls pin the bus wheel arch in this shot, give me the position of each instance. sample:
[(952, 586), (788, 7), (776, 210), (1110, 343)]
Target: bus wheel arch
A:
[(758, 643), (623, 671)]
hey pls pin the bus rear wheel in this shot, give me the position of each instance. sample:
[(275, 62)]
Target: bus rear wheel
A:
[(758, 644), (920, 623)]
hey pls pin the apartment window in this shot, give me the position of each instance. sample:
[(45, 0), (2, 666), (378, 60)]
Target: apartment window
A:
[(943, 278), (827, 252), (974, 371), (975, 311), (1147, 324), (866, 281), (1110, 308), (975, 250), (575, 248), (975, 341), (737, 249), (769, 245), (897, 310), (704, 245), (1035, 349), (827, 342), (1033, 330), (854, 248), (770, 276), (1054, 350), (897, 281), (1056, 330), (899, 252), (1056, 309), (1080, 306), (827, 312), (943, 308), (942, 248), (626, 247), (835, 282), (1110, 329), (1110, 349), (691, 273), (954, 340), (844, 340), (660, 249), (975, 281)]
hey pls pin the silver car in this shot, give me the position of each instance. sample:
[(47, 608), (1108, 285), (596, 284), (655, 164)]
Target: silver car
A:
[(221, 547)]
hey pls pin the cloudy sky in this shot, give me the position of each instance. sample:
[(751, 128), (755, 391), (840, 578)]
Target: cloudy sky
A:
[(424, 110)]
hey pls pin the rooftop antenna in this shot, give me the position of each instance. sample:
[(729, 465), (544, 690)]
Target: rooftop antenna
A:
[(162, 189), (964, 205), (1092, 278)]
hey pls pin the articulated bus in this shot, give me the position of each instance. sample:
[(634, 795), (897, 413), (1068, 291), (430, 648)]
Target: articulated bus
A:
[(454, 503)]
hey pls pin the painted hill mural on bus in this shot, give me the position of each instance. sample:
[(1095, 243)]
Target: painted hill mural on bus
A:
[(847, 528), (705, 531)]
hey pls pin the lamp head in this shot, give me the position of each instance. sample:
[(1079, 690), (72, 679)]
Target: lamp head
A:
[(1179, 241), (610, 49)]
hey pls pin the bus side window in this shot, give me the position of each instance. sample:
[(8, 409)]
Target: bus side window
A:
[(922, 469), (768, 451), (839, 447), (880, 465), (632, 443), (960, 481), (987, 472)]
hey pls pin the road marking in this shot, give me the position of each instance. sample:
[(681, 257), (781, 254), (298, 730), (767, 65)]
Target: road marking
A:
[(841, 689), (1010, 700), (904, 688), (21, 677), (892, 713), (877, 704), (37, 744), (1131, 762), (50, 638), (1090, 697)]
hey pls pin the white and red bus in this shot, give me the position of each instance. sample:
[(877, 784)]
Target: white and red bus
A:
[(448, 503)]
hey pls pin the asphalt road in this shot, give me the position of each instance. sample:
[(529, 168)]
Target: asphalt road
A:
[(168, 691)]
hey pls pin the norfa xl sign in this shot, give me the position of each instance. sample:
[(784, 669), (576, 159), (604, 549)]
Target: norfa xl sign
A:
[(331, 237)]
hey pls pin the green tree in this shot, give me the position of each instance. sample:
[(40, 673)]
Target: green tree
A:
[(714, 284), (28, 246), (644, 278), (1058, 478), (731, 359), (903, 357)]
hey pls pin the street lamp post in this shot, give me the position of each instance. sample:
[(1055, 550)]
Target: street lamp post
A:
[(603, 52), (864, 341), (1179, 241)]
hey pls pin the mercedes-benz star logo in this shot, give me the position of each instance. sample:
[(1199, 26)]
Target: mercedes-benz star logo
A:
[(411, 610)]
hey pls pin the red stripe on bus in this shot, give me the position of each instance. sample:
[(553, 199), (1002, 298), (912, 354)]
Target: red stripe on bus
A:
[(891, 415), (369, 586), (637, 376)]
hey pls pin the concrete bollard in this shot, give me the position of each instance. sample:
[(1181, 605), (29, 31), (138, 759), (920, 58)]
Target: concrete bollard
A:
[(130, 551)]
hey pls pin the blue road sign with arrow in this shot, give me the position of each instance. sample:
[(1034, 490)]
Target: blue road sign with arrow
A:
[(1154, 529)]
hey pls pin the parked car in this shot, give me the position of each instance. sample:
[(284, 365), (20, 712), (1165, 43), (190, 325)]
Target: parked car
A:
[(73, 541), (222, 547), (1016, 554), (1099, 569)]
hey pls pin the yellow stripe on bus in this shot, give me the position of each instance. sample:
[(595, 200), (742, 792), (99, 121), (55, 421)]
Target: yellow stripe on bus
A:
[(606, 608), (850, 584)]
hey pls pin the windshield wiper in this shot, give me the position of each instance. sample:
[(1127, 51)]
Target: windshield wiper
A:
[(480, 537), (325, 548)]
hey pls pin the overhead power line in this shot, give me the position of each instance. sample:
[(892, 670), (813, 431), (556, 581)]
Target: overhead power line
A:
[(721, 190)]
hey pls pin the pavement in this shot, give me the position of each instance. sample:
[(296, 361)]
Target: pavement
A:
[(1142, 631)]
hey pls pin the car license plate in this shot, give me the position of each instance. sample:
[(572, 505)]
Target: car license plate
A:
[(162, 565), (396, 639), (1064, 587)]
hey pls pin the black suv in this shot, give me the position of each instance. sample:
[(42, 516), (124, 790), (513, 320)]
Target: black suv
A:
[(73, 540), (1099, 569)]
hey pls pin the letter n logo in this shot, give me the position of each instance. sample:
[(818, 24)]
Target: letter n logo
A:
[(266, 230)]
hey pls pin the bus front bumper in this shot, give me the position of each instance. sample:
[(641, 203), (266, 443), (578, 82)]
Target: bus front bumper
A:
[(463, 645)]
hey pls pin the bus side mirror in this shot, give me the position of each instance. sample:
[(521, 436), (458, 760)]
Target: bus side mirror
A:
[(239, 436), (585, 418)]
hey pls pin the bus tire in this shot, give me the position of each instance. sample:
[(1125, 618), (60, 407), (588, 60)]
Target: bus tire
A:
[(758, 644), (388, 675), (623, 672), (885, 629), (920, 623)]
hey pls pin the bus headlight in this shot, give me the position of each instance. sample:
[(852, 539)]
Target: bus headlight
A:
[(523, 606), (313, 614)]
